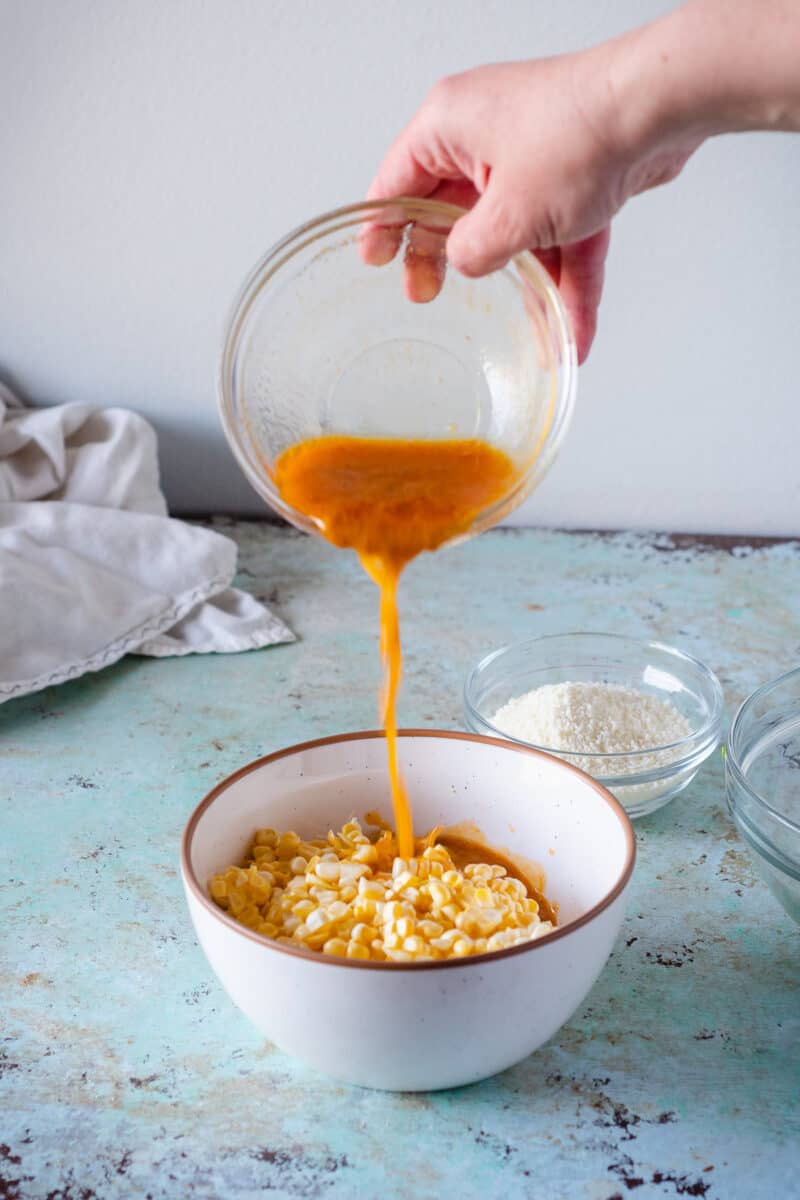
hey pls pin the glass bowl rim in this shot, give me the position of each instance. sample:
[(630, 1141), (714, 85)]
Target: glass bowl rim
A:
[(732, 762), (699, 743), (350, 215)]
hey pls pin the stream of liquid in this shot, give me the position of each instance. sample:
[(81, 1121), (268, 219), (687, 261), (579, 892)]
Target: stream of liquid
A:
[(390, 499)]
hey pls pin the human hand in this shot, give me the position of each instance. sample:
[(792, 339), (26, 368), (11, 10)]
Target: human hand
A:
[(543, 156)]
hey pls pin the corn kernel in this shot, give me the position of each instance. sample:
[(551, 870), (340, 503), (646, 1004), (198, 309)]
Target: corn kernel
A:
[(357, 950), (351, 872), (393, 911), (439, 892), (371, 889), (405, 926), (335, 946), (316, 920), (287, 846), (265, 837)]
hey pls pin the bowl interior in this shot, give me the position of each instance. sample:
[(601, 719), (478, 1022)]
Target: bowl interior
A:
[(597, 658), (534, 806), (320, 342), (765, 746)]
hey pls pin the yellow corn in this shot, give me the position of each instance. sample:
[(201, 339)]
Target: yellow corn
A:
[(346, 896), (335, 946), (405, 927), (439, 893), (265, 837)]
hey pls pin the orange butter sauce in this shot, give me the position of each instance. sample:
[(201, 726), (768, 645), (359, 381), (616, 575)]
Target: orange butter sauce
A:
[(389, 499)]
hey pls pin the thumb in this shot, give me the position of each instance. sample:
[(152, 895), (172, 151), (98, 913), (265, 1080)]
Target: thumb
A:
[(494, 230)]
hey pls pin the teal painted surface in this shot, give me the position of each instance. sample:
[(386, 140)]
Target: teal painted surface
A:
[(124, 1069)]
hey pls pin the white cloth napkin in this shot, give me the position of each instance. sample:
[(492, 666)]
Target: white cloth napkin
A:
[(91, 566)]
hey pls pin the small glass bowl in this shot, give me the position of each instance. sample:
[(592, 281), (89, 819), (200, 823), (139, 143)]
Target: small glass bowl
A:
[(762, 774), (639, 784), (321, 341)]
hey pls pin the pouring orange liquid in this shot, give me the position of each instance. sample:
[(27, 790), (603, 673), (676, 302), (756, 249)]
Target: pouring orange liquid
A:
[(390, 499)]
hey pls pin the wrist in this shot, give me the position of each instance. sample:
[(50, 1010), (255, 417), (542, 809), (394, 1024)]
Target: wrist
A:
[(707, 68), (654, 104)]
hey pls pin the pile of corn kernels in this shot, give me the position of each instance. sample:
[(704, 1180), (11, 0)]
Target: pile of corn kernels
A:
[(354, 898)]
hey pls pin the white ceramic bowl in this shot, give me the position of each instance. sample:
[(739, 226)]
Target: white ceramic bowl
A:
[(429, 1025)]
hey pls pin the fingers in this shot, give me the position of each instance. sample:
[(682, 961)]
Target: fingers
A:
[(581, 285), (379, 242), (424, 263), (401, 173), (496, 229), (425, 257), (426, 248), (551, 261)]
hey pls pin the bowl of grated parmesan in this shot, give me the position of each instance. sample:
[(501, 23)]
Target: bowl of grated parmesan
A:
[(639, 717)]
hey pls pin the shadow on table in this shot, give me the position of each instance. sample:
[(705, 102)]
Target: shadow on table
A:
[(66, 699)]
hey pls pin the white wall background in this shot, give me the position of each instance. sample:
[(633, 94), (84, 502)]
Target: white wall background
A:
[(151, 150)]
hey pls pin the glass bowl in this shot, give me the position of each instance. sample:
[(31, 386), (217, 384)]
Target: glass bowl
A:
[(762, 774), (321, 342), (642, 780)]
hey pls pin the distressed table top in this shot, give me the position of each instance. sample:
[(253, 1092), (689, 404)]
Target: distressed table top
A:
[(124, 1069)]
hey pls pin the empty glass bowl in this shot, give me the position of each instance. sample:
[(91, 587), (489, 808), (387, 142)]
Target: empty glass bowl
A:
[(320, 341), (762, 771), (642, 780)]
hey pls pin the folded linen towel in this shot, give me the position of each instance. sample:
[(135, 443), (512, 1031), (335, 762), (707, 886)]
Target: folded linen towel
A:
[(91, 566)]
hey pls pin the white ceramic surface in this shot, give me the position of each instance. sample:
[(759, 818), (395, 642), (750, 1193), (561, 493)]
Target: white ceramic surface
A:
[(427, 1025)]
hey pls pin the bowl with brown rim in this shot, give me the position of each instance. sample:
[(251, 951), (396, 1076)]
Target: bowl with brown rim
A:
[(424, 1025)]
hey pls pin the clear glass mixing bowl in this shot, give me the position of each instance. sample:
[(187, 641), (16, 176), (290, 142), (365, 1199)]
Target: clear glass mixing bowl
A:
[(321, 342), (762, 771), (642, 780)]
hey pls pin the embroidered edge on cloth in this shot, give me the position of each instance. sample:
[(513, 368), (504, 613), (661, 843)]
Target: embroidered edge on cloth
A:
[(152, 627)]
